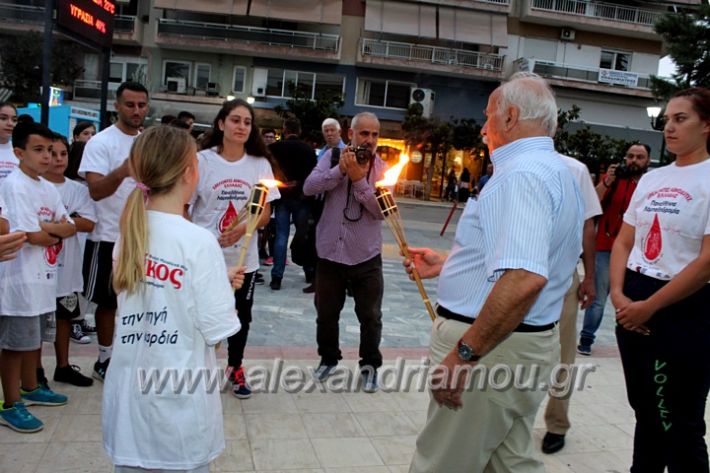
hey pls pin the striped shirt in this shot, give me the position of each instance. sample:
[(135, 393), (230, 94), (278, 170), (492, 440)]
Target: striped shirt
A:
[(529, 216), (349, 235)]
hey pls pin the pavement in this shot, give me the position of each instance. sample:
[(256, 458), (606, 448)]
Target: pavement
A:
[(334, 431)]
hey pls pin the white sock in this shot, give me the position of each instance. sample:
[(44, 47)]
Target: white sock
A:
[(104, 353)]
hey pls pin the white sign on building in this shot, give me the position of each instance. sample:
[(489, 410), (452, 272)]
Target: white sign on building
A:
[(610, 76)]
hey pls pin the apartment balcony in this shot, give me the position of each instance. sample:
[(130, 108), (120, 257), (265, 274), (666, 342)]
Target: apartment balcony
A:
[(500, 6), (127, 30), (408, 56), (14, 17), (593, 16), (254, 41), (588, 78), (91, 90)]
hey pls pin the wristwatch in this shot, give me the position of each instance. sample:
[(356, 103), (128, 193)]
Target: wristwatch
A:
[(466, 352)]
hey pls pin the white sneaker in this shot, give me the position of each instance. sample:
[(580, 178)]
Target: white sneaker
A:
[(78, 336)]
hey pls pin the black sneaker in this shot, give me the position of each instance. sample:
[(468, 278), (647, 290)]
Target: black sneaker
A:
[(258, 279), (275, 284), (42, 380), (72, 374), (77, 335), (86, 328), (100, 370)]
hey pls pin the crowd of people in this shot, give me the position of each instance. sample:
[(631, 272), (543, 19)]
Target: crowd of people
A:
[(145, 224)]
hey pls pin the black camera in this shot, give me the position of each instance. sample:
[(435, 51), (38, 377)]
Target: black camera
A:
[(363, 155), (623, 171)]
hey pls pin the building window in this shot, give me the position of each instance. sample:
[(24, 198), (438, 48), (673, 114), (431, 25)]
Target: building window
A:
[(308, 84), (240, 74), (329, 86), (176, 70), (202, 75), (383, 93), (127, 69), (615, 60)]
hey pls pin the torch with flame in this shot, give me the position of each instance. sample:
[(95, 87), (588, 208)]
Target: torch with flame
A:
[(252, 213), (390, 212)]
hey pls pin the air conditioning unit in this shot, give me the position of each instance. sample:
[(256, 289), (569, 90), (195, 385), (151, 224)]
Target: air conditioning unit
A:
[(176, 85), (212, 89), (567, 34), (258, 82), (422, 99)]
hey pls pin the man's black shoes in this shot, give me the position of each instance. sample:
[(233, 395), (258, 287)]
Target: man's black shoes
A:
[(552, 443)]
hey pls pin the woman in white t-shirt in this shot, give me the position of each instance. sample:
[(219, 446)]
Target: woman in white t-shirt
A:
[(235, 160), (8, 120), (660, 274), (161, 404)]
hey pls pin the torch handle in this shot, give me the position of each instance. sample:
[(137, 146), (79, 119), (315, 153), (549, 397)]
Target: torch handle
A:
[(420, 285), (245, 247)]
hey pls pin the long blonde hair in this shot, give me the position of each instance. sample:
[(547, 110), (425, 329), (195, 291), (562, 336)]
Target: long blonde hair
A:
[(158, 159)]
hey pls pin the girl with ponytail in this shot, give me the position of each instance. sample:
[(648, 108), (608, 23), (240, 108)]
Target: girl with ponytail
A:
[(174, 304)]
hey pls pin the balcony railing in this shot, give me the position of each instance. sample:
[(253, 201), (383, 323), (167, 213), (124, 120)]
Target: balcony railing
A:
[(602, 11), (590, 74), (25, 14), (431, 54), (91, 89), (268, 36), (124, 24)]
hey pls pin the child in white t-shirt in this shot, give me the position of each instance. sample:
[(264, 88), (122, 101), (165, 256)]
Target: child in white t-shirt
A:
[(233, 164), (28, 283), (70, 282), (174, 304), (8, 120)]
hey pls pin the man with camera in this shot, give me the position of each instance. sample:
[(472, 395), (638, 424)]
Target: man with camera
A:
[(349, 246), (615, 189)]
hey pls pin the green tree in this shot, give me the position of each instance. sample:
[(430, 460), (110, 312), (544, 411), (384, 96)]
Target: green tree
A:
[(687, 39), (21, 64), (311, 113), (595, 150), (438, 137)]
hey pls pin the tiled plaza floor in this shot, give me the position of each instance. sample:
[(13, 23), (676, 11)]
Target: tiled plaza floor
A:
[(333, 432)]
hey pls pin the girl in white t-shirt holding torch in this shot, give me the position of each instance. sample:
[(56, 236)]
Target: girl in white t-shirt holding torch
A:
[(236, 160), (161, 404)]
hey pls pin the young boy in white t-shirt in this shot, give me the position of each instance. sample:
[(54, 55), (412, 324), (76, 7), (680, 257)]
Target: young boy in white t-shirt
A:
[(70, 282), (8, 120), (28, 283)]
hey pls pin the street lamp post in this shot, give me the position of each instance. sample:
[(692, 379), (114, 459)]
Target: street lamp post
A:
[(657, 123)]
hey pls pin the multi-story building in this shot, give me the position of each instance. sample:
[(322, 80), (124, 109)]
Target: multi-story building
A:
[(381, 55)]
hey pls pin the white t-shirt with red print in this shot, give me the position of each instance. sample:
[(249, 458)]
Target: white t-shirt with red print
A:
[(28, 283), (222, 194), (8, 161), (76, 199), (165, 334), (670, 210)]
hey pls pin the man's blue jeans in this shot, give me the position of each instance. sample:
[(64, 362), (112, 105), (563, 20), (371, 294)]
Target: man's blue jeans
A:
[(285, 211), (595, 312)]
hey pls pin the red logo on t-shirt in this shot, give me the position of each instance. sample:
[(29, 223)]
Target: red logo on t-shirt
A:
[(653, 243), (229, 216), (52, 252)]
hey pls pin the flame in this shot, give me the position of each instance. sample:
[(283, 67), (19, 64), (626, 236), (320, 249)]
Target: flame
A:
[(271, 183), (392, 174)]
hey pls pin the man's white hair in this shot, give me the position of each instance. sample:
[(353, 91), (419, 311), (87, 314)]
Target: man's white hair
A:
[(532, 96), (330, 121), (361, 115)]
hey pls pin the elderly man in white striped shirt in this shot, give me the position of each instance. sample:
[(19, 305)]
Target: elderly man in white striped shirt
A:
[(500, 294)]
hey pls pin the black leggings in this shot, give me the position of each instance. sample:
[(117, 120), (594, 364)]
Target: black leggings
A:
[(243, 301), (667, 380)]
